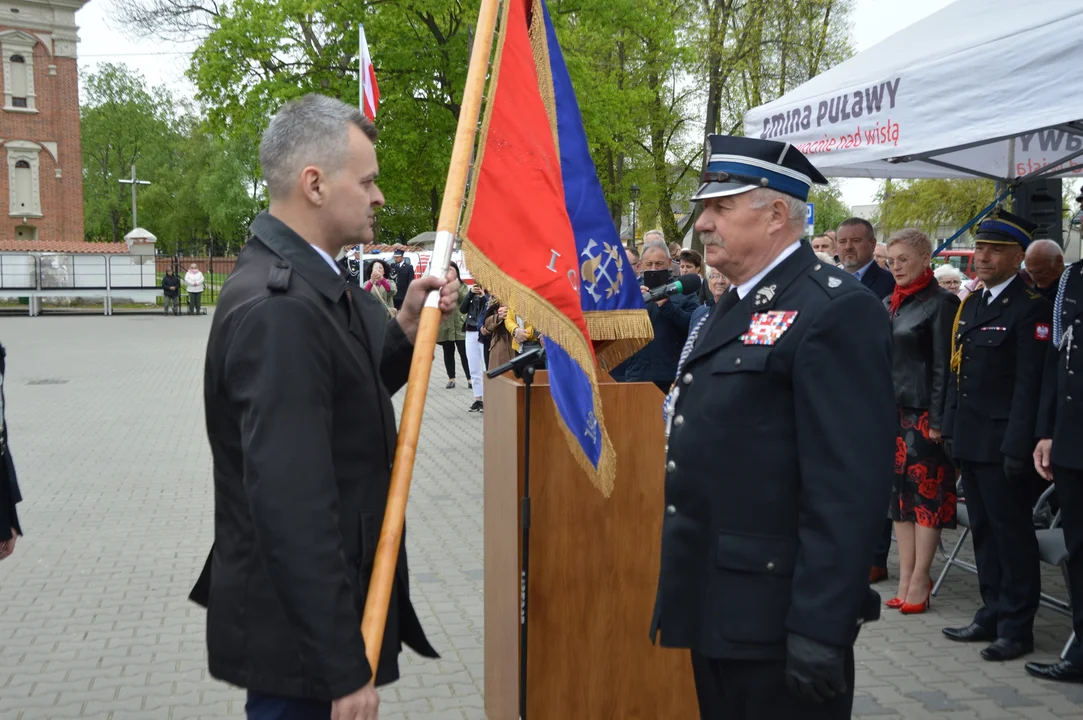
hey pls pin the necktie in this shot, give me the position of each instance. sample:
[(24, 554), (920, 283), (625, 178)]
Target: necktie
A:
[(986, 297), (720, 308)]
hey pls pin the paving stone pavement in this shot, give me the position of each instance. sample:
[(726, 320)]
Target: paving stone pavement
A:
[(105, 417)]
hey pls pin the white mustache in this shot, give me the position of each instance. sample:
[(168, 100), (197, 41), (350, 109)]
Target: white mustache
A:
[(713, 240)]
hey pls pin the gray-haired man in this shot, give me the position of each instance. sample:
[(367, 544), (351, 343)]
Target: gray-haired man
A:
[(298, 368)]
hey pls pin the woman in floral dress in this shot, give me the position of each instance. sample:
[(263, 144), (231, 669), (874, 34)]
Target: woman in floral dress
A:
[(923, 494)]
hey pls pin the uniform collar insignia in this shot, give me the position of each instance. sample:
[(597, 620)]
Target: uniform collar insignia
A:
[(833, 282), (765, 294)]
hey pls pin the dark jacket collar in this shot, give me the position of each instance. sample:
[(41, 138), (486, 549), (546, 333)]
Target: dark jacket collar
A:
[(284, 242), (721, 330)]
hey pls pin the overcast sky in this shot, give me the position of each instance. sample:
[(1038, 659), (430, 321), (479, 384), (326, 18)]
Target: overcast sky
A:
[(102, 40)]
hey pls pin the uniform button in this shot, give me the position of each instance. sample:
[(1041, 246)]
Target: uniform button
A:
[(679, 420), (966, 377), (770, 566), (1069, 398), (1071, 372), (737, 362), (687, 379), (965, 395), (671, 466), (670, 510), (1066, 312)]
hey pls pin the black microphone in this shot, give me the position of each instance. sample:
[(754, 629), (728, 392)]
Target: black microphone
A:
[(520, 361), (684, 285)]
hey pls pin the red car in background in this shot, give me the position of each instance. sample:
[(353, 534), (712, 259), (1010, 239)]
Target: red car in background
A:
[(961, 260)]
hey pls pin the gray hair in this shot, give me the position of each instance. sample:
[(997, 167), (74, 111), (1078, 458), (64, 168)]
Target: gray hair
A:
[(1049, 248), (914, 239), (945, 271), (762, 197), (661, 238), (311, 131), (654, 245)]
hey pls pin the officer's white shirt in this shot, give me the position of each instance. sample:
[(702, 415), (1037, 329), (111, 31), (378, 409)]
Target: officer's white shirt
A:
[(746, 287), (997, 289), (330, 260)]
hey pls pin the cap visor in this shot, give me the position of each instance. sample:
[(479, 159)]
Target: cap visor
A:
[(714, 189)]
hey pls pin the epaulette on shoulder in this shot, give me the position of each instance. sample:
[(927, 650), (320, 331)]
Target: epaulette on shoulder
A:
[(278, 279), (832, 279)]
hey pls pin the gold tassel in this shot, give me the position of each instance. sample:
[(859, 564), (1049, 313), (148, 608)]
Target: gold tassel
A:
[(956, 349), (539, 42)]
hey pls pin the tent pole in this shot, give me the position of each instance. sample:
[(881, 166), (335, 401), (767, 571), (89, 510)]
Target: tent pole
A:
[(988, 209)]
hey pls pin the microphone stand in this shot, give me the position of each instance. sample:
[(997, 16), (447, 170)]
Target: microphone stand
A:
[(524, 367)]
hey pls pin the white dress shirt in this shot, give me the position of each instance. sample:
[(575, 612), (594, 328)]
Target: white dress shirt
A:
[(746, 287), (330, 260), (997, 289)]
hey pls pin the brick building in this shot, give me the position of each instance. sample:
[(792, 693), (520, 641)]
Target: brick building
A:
[(41, 184)]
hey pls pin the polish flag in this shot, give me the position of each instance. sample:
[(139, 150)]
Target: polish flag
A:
[(370, 91)]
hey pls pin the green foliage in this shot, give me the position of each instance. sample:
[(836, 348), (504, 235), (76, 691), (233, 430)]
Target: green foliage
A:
[(202, 186), (930, 204), (652, 78), (830, 209)]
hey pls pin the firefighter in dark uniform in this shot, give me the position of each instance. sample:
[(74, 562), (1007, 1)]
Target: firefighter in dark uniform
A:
[(1059, 455), (999, 346), (776, 481)]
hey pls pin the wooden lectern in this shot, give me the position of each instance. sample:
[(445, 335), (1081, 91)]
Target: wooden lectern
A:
[(593, 565)]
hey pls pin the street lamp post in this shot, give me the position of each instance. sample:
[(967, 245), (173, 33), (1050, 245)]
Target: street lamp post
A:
[(634, 191)]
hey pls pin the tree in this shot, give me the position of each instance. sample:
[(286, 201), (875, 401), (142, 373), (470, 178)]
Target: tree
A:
[(929, 204), (202, 187), (830, 209), (122, 121)]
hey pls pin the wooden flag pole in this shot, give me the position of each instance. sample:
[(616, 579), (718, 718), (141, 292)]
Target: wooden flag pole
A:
[(387, 551)]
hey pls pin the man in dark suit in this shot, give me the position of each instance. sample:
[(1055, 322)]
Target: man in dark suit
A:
[(1059, 455), (998, 354), (9, 483), (856, 245), (764, 568), (298, 382), (403, 271)]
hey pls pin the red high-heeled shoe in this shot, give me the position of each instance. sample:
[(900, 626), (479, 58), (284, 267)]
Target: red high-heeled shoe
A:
[(918, 608), (894, 603)]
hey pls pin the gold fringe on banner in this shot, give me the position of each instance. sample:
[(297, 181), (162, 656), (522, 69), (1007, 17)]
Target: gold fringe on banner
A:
[(545, 318), (539, 42), (627, 332)]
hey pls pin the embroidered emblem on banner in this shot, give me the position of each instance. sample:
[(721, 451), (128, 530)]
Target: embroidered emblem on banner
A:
[(767, 327), (1042, 331)]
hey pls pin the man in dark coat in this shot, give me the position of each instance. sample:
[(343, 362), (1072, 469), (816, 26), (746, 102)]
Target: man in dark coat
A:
[(1059, 455), (1000, 341), (9, 483), (299, 375), (857, 251), (171, 291), (403, 271), (774, 494), (656, 361)]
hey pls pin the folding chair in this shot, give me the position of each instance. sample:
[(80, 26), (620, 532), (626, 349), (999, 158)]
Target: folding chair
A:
[(962, 520)]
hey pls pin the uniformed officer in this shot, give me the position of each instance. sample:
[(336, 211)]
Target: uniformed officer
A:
[(998, 350), (776, 482), (1059, 455)]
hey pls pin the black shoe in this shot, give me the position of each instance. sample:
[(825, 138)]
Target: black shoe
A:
[(1063, 671), (1005, 649), (971, 633), (476, 407)]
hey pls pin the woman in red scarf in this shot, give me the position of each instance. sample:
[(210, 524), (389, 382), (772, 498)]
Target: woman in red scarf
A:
[(923, 494)]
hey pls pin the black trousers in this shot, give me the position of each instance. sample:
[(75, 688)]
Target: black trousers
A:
[(1070, 494), (756, 690), (449, 357), (1005, 548), (883, 545)]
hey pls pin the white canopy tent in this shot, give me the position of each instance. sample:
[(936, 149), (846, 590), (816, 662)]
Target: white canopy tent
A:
[(982, 88)]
